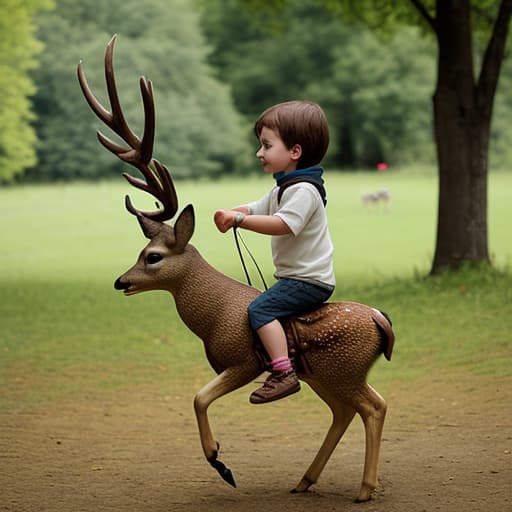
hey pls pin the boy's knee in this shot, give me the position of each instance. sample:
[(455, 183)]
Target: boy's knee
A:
[(258, 315), (252, 314)]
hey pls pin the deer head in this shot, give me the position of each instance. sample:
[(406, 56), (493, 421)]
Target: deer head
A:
[(152, 268)]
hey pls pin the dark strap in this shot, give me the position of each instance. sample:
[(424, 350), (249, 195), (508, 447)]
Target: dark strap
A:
[(318, 184), (237, 236)]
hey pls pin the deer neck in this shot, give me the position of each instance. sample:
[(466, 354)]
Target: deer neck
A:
[(202, 293)]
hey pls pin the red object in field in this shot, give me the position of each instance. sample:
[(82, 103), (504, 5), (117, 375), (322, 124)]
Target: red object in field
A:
[(382, 166)]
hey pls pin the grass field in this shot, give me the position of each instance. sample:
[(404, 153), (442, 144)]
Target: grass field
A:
[(64, 330)]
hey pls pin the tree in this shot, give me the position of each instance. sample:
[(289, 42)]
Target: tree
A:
[(197, 126), (18, 49), (462, 105)]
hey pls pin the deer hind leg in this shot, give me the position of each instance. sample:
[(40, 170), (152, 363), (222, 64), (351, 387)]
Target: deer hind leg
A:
[(229, 380), (372, 408), (342, 417)]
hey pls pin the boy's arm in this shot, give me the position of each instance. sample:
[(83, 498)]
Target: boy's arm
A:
[(264, 224), (242, 208)]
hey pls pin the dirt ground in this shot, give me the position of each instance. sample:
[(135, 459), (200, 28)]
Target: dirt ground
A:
[(447, 446)]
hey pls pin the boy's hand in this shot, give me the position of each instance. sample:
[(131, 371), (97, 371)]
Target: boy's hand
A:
[(224, 219)]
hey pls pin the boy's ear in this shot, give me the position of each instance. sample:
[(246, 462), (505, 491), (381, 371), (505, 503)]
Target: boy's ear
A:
[(296, 152)]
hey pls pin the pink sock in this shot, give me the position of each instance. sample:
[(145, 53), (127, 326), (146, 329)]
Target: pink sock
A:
[(281, 364)]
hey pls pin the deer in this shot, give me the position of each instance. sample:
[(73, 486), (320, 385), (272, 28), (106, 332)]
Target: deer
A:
[(333, 347)]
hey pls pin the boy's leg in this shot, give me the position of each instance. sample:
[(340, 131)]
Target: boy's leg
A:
[(274, 339), (282, 381), (286, 297)]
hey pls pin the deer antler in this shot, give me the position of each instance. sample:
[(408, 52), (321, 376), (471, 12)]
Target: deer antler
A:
[(138, 153)]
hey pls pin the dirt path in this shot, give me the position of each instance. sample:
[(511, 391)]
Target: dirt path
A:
[(447, 446)]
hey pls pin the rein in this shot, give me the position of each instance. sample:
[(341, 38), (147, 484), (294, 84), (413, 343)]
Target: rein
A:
[(238, 239)]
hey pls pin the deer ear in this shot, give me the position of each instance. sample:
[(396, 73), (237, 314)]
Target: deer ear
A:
[(150, 228), (184, 227)]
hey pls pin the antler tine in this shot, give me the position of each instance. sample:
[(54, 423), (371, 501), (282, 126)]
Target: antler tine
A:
[(118, 123), (165, 192), (93, 102), (170, 198), (146, 147)]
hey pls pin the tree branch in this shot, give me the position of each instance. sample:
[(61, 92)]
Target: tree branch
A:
[(493, 57), (425, 14)]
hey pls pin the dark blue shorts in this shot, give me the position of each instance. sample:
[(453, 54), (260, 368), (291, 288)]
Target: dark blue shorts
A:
[(286, 297)]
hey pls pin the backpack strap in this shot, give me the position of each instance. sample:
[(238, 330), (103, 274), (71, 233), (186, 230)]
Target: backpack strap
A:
[(317, 183)]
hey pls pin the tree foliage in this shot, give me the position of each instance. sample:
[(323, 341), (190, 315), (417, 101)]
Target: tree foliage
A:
[(18, 51), (198, 129), (371, 65), (376, 96), (373, 73)]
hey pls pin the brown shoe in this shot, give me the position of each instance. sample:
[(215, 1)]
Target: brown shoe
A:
[(278, 385)]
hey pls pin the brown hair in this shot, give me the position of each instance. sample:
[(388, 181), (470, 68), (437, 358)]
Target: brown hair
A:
[(298, 122)]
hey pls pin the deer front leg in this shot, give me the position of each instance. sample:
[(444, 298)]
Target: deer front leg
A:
[(229, 380)]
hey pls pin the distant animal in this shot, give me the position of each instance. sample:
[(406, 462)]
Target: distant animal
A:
[(382, 196), (333, 347)]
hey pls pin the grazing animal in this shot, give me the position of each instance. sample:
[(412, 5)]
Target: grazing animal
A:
[(382, 196), (333, 346)]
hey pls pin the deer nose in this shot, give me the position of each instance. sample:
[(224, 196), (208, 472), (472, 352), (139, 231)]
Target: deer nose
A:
[(120, 285)]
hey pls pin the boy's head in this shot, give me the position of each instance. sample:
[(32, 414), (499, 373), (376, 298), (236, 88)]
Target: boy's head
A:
[(298, 122)]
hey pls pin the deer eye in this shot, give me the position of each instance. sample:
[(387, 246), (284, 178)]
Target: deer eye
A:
[(153, 258)]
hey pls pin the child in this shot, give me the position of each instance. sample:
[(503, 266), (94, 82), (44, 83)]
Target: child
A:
[(294, 137)]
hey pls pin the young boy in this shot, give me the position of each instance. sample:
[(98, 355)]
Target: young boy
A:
[(294, 137)]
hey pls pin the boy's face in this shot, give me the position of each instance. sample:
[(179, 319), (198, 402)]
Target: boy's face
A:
[(274, 155)]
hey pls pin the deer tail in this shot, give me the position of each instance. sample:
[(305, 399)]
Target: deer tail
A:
[(383, 322)]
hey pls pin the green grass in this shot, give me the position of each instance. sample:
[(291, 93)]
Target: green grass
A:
[(65, 331)]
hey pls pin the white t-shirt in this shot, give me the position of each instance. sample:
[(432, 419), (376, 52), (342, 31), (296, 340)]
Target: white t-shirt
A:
[(305, 254)]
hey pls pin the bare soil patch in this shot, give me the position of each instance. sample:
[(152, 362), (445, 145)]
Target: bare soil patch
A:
[(447, 446)]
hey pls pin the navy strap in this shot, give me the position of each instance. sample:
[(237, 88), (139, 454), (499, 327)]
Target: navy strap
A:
[(318, 184)]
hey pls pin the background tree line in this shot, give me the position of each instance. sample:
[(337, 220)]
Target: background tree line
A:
[(215, 66)]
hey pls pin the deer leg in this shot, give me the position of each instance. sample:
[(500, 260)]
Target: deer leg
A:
[(372, 408), (229, 380), (342, 417)]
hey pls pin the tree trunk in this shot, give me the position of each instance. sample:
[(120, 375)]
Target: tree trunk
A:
[(462, 140), (462, 118)]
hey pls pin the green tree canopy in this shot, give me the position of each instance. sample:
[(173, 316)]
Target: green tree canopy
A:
[(376, 96), (198, 129), (18, 50), (371, 67)]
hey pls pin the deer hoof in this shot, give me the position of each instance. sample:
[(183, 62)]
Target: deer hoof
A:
[(221, 468), (365, 494), (303, 486)]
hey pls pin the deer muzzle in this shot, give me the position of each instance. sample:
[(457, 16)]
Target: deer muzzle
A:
[(121, 285)]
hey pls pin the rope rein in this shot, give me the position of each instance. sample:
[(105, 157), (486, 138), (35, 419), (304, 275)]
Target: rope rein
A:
[(238, 239)]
